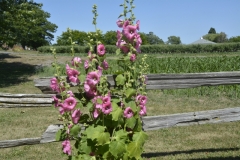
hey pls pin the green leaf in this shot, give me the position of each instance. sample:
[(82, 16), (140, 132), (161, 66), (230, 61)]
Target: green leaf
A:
[(131, 122), (121, 135), (93, 132), (117, 148), (82, 77), (133, 106), (130, 92), (103, 138), (60, 135), (74, 131), (104, 151), (117, 112), (118, 51), (134, 150), (84, 118), (115, 100), (85, 147), (140, 137), (120, 80)]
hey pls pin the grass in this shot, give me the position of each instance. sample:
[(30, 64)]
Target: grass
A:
[(209, 141)]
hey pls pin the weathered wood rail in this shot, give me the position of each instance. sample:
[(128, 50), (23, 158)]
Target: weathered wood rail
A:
[(169, 81), (8, 100), (149, 123)]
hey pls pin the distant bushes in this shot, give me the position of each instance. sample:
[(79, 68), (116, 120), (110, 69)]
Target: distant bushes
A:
[(77, 49), (194, 48)]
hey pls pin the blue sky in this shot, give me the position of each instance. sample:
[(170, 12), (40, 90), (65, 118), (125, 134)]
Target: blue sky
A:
[(188, 19)]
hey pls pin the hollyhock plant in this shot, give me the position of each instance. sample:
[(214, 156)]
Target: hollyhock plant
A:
[(102, 118)]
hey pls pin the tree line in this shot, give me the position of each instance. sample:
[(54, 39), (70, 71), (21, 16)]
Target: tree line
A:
[(110, 38)]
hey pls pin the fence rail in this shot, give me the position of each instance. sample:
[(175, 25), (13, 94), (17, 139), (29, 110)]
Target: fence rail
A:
[(168, 81), (149, 123)]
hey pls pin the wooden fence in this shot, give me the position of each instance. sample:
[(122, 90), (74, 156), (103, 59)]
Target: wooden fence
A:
[(169, 81), (160, 81)]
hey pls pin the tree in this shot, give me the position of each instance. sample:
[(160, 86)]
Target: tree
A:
[(234, 39), (212, 31), (174, 40), (153, 39), (25, 22), (217, 38), (144, 38), (77, 36), (110, 38)]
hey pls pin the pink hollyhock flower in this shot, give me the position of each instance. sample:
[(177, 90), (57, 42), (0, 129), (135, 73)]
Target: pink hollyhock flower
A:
[(55, 86), (128, 112), (138, 25), (66, 147), (138, 42), (98, 102), (76, 61), (120, 23), (119, 35), (91, 91), (86, 64), (122, 46), (69, 104), (76, 116), (92, 78), (61, 110), (69, 127), (90, 56), (126, 23), (99, 72), (70, 93), (133, 57), (56, 101), (96, 113), (72, 74), (143, 110), (129, 32), (105, 65), (107, 108), (141, 99), (101, 50), (107, 99)]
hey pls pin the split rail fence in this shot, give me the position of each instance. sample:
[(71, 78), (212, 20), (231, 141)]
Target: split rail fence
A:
[(159, 81)]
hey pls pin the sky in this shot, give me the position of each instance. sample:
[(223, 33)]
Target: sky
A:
[(187, 19)]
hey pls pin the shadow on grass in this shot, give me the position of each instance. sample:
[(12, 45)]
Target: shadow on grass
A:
[(15, 72), (159, 154)]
